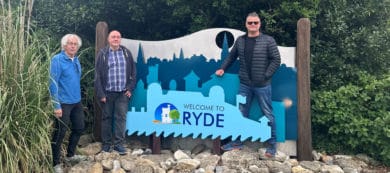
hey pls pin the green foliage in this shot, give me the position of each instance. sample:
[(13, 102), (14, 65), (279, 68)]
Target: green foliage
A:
[(60, 17), (355, 117), (167, 19), (25, 124), (350, 77), (87, 90), (352, 36), (283, 28)]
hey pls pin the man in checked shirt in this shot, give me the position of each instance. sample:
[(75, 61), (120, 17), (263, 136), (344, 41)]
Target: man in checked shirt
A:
[(115, 78)]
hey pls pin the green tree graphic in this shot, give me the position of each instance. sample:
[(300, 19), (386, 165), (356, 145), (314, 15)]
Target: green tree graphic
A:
[(174, 115)]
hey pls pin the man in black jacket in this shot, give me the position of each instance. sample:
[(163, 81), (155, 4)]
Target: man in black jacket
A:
[(115, 78), (259, 59)]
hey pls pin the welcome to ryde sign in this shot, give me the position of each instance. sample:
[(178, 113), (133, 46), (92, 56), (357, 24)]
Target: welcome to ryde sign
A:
[(178, 94), (181, 97)]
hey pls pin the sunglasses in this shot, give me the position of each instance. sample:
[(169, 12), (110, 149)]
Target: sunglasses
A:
[(253, 23)]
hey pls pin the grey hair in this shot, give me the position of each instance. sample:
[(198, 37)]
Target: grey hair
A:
[(253, 14), (65, 39)]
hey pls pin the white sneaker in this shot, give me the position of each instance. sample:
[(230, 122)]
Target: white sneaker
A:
[(76, 159), (58, 169)]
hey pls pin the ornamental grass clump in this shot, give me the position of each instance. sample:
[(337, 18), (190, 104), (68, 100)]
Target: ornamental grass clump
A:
[(25, 124)]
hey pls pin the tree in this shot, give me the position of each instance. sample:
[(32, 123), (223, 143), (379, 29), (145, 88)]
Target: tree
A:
[(352, 36), (350, 77), (167, 19), (58, 18)]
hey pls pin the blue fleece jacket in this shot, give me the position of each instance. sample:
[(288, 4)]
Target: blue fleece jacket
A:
[(65, 76)]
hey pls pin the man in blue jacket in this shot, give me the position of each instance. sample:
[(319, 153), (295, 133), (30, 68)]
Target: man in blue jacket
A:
[(65, 74), (259, 58)]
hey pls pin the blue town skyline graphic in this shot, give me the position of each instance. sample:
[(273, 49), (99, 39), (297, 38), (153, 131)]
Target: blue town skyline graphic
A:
[(195, 74)]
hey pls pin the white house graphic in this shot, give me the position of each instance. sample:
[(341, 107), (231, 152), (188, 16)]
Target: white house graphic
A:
[(165, 115)]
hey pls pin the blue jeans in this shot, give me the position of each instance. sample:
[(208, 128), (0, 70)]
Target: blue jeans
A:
[(71, 113), (114, 113), (264, 97)]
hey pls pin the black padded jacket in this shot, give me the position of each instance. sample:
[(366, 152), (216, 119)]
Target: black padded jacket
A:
[(265, 61)]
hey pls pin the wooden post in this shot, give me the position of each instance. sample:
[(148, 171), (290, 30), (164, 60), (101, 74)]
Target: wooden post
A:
[(217, 146), (155, 143), (101, 41), (304, 143)]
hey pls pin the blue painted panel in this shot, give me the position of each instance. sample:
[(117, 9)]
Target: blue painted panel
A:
[(198, 116)]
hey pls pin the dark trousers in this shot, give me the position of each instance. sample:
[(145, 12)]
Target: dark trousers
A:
[(71, 114), (264, 98), (114, 113)]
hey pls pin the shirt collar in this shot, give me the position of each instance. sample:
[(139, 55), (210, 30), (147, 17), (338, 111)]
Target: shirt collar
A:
[(67, 57), (111, 50)]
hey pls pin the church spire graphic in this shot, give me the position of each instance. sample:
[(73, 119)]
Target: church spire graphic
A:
[(225, 47)]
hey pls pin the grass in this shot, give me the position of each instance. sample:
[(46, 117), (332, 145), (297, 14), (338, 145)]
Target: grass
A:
[(25, 110)]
